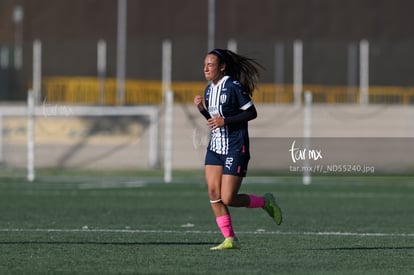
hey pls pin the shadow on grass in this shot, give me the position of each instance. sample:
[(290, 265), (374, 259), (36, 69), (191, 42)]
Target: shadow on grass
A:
[(364, 248), (102, 243)]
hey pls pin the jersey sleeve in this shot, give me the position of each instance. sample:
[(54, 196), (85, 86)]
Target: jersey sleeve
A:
[(242, 96)]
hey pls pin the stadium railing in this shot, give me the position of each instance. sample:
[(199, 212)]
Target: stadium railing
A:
[(88, 91)]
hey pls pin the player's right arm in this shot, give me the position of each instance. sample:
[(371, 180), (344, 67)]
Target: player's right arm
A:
[(198, 101)]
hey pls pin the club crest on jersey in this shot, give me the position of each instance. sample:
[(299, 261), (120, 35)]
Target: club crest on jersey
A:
[(223, 98)]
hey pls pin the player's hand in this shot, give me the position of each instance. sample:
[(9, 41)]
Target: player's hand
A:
[(215, 122), (198, 101)]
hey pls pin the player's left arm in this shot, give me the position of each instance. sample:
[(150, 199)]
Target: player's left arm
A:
[(218, 121), (248, 110), (243, 99), (247, 115)]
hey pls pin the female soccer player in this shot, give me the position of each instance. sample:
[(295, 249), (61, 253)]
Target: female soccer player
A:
[(228, 107)]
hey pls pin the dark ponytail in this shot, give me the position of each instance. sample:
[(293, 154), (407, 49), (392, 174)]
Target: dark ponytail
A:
[(241, 68)]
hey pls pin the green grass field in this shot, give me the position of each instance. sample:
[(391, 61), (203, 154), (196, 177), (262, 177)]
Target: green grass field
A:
[(132, 224)]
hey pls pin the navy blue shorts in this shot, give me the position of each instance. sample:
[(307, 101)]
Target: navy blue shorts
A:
[(233, 163)]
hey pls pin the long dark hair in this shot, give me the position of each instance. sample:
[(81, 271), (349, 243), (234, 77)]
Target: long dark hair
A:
[(241, 68)]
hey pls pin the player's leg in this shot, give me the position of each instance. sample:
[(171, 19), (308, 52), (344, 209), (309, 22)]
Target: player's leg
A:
[(234, 171), (231, 182), (213, 174), (229, 195), (230, 187)]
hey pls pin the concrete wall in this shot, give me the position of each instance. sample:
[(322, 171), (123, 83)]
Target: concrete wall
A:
[(377, 135), (363, 135)]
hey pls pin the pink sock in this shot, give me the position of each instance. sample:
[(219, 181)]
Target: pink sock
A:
[(226, 228), (256, 202)]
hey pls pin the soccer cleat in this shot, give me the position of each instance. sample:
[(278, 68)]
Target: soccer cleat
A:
[(272, 208), (228, 243)]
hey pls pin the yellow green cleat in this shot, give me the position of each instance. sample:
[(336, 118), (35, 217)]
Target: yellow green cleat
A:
[(228, 243), (272, 208)]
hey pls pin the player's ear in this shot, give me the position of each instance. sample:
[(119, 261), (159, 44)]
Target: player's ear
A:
[(223, 68)]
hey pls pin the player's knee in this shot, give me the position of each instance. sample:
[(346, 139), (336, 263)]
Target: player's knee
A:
[(227, 200), (213, 195)]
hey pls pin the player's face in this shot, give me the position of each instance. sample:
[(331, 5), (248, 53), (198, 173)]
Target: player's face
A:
[(212, 70)]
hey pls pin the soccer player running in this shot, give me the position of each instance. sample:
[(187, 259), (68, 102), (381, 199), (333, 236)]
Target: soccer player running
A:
[(228, 108)]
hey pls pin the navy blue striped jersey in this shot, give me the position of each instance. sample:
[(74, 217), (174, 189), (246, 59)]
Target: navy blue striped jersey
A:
[(226, 99)]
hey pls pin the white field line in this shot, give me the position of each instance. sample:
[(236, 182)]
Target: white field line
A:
[(103, 185), (258, 232)]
